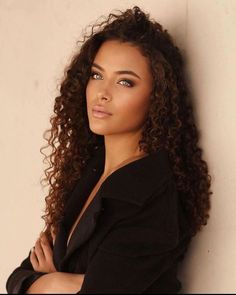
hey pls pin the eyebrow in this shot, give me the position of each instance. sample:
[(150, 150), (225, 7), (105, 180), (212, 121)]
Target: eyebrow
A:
[(118, 72)]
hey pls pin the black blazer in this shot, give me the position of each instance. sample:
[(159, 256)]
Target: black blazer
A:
[(131, 237)]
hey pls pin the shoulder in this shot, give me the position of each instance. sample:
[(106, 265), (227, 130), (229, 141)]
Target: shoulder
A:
[(150, 229), (139, 180)]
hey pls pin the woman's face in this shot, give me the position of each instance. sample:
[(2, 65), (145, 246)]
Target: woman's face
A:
[(120, 83)]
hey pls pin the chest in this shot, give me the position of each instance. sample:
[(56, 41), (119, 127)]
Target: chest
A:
[(85, 206)]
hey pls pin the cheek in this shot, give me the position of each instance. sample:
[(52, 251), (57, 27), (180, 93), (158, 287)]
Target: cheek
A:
[(132, 114), (136, 107), (89, 92)]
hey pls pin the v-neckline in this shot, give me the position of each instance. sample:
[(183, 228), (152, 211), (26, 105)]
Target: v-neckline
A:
[(119, 167), (77, 222)]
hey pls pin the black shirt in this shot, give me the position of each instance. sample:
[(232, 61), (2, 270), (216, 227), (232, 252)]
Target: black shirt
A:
[(131, 237)]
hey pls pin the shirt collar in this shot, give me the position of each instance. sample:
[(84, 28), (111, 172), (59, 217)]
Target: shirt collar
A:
[(135, 181)]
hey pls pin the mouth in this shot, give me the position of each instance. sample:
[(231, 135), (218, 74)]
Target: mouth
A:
[(99, 114), (99, 111)]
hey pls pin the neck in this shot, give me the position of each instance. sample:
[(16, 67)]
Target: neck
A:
[(119, 150)]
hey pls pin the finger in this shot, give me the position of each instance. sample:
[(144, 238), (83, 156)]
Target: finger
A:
[(46, 247), (53, 236), (44, 239), (39, 252), (48, 236), (34, 260)]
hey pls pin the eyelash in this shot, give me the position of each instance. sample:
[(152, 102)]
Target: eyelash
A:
[(131, 83)]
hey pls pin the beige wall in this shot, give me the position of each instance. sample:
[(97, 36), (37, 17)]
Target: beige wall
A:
[(37, 38)]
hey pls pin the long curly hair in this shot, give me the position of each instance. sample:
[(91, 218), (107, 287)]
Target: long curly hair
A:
[(170, 122)]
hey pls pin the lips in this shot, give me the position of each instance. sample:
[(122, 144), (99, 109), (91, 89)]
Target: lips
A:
[(101, 110)]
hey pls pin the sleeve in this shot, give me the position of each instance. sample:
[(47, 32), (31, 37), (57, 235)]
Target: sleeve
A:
[(22, 278), (138, 250)]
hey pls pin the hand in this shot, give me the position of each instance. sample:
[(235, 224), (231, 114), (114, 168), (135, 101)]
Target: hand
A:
[(41, 256)]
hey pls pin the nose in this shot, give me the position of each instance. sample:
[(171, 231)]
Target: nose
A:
[(104, 94)]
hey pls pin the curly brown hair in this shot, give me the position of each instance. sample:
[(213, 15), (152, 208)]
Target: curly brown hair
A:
[(170, 123)]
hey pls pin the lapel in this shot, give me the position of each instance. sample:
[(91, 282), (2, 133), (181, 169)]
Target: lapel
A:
[(136, 181), (73, 207), (133, 183)]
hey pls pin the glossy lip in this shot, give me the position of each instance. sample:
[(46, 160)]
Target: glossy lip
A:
[(100, 114), (100, 109)]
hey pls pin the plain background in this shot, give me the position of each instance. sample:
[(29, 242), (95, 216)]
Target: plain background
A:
[(37, 40)]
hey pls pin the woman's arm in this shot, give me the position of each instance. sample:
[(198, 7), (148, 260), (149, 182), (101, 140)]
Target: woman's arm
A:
[(57, 282), (24, 275), (37, 274), (52, 282)]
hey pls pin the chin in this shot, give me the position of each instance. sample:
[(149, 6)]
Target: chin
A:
[(102, 131), (99, 130)]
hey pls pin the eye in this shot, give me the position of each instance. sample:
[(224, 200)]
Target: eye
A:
[(127, 83), (95, 76)]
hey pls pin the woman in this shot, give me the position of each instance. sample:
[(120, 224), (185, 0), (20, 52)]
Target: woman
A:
[(128, 185)]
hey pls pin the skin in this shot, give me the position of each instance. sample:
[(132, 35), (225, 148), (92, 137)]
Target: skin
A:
[(53, 281), (126, 96), (41, 255)]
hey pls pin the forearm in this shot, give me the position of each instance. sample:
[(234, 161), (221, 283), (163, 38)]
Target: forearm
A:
[(57, 282)]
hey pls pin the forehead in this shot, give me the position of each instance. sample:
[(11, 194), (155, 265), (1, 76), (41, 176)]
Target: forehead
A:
[(119, 55)]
